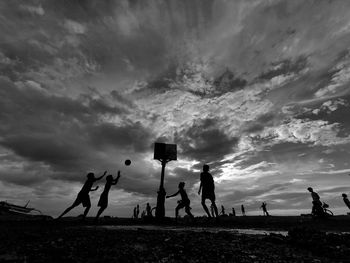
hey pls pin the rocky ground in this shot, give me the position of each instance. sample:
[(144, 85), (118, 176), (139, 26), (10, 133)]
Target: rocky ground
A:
[(57, 242)]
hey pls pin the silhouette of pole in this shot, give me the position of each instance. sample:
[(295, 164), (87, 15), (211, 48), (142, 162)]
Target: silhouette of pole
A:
[(160, 211)]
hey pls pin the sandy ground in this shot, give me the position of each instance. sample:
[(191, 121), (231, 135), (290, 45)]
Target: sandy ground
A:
[(71, 240)]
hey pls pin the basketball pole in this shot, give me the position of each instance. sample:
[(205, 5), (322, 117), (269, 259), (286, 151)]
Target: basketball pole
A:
[(160, 211)]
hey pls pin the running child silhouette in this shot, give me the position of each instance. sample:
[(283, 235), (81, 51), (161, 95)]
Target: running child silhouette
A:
[(103, 202), (184, 202), (83, 196), (208, 189)]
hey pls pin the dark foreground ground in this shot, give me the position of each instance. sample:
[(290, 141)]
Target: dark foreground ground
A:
[(70, 240)]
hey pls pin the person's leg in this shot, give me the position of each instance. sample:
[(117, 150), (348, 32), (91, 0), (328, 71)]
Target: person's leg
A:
[(75, 204), (205, 207), (215, 208), (188, 211), (67, 210), (100, 211), (86, 211), (176, 212)]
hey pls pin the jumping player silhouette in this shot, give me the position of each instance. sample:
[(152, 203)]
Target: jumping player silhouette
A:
[(103, 202), (83, 196)]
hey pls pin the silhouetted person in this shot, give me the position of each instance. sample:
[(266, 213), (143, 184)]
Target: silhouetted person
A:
[(263, 206), (208, 190), (317, 208), (223, 210), (243, 210), (148, 210), (212, 212), (143, 214), (183, 203), (137, 211), (83, 196), (103, 202), (233, 212), (346, 200)]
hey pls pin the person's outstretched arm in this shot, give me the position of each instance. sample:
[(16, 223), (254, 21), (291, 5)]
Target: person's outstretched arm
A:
[(98, 178), (91, 190), (168, 196), (116, 180)]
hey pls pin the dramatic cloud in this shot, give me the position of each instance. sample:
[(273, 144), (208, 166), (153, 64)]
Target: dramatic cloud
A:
[(257, 89)]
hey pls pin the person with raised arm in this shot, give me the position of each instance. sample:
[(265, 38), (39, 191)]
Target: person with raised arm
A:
[(103, 202), (83, 196)]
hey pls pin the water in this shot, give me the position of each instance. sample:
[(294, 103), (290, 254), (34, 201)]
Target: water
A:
[(198, 229)]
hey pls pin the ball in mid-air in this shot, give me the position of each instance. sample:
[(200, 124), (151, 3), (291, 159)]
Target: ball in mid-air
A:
[(127, 162)]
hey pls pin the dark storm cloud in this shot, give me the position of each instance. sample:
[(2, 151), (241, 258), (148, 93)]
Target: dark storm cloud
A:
[(59, 131), (205, 141), (133, 135)]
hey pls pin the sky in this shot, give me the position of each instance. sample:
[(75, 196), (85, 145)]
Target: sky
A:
[(257, 89)]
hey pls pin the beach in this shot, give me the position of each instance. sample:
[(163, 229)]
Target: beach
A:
[(124, 240)]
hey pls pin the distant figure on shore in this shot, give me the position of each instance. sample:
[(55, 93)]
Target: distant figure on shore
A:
[(103, 202), (212, 210), (183, 203), (143, 214), (243, 210), (346, 200), (148, 210), (83, 196), (263, 207), (222, 211), (233, 212), (208, 189), (317, 208), (136, 211)]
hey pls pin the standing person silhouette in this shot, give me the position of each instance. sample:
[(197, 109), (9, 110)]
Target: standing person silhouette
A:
[(137, 211), (346, 200), (83, 196), (212, 210), (243, 210), (263, 206), (103, 202), (183, 203), (233, 211), (208, 189), (148, 210), (223, 210)]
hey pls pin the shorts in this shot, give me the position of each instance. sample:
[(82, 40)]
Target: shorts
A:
[(82, 199), (208, 195), (183, 203)]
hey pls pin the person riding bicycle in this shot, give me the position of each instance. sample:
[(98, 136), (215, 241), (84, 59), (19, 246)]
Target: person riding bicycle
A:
[(317, 208)]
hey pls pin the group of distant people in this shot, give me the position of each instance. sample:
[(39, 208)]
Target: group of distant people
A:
[(145, 213)]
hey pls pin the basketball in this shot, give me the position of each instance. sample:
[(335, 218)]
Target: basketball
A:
[(127, 162)]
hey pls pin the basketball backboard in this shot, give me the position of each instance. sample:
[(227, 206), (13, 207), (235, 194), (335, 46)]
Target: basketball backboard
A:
[(163, 151)]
